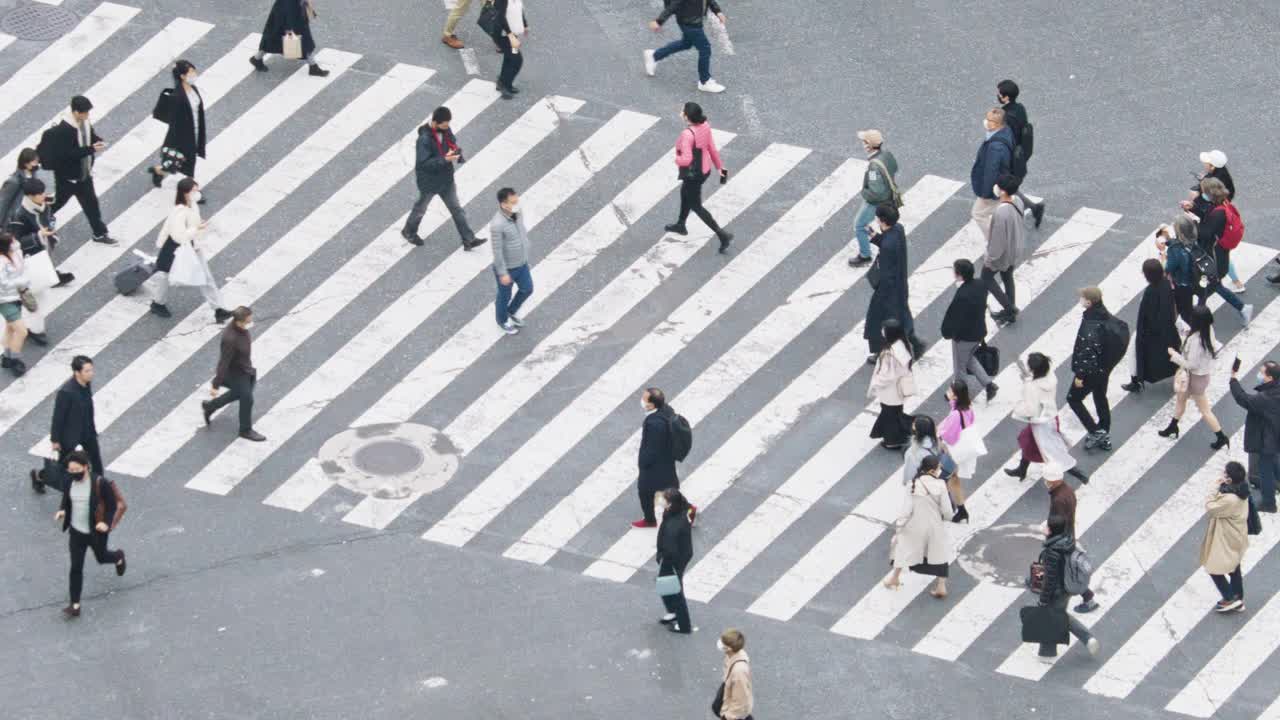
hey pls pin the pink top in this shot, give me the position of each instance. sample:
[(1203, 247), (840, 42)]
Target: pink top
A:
[(700, 134), (949, 431)]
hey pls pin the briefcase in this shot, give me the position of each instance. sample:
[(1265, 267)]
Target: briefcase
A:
[(54, 475), (1044, 624), (131, 278)]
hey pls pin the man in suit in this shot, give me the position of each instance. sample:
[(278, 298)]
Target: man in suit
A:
[(657, 458), (435, 155), (73, 423), (69, 149)]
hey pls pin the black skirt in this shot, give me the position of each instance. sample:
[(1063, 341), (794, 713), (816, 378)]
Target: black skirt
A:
[(893, 426), (164, 261), (928, 568)]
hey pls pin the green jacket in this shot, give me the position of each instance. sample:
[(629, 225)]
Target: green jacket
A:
[(875, 186)]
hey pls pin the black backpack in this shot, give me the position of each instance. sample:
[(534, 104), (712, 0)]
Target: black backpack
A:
[(45, 148), (1115, 341), (1204, 266), (681, 436)]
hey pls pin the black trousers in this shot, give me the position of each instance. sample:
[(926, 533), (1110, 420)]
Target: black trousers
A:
[(676, 603), (79, 543), (1184, 299), (239, 388), (647, 492), (691, 201), (1095, 385), (512, 61), (90, 446), (1006, 296), (83, 191)]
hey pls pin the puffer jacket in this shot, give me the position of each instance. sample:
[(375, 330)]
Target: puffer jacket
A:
[(1086, 356), (1039, 400), (1053, 555)]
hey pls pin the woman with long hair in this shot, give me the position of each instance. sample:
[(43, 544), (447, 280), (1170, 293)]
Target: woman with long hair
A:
[(13, 283), (921, 542), (1227, 536), (962, 443), (1195, 369), (1041, 440), (184, 229), (185, 139), (1156, 331), (675, 550), (696, 156), (1213, 222), (891, 384)]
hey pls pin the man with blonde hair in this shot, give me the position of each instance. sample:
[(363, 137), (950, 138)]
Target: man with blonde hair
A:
[(735, 699)]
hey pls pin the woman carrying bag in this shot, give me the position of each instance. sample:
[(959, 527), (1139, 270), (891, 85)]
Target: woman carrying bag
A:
[(696, 157), (921, 542), (288, 33), (32, 224), (181, 262), (1052, 593), (1041, 440), (183, 109), (675, 550), (14, 295), (891, 384), (1227, 536), (1195, 369), (962, 443)]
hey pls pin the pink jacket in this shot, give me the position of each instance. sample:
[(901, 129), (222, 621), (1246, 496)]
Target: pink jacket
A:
[(949, 430), (700, 134)]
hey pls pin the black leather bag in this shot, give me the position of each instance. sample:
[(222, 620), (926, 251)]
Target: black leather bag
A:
[(988, 357), (164, 106), (488, 20), (694, 170), (53, 475), (873, 273), (1044, 624)]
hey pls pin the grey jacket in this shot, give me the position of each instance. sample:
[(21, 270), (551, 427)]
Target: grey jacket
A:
[(1008, 237), (510, 242), (875, 186)]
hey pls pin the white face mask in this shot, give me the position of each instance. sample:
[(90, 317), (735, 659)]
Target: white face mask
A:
[(995, 190), (720, 646), (643, 405), (249, 325), (191, 77), (195, 196), (1084, 304)]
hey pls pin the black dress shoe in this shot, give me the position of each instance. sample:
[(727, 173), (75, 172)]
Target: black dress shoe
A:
[(40, 339), (513, 89), (676, 228), (317, 71), (160, 310), (105, 240), (725, 239), (121, 564), (505, 92), (474, 242), (1274, 279), (206, 409), (253, 435), (156, 177), (36, 483), (859, 261), (258, 64), (65, 278), (411, 238)]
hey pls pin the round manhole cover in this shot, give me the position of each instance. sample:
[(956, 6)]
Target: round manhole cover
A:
[(388, 457), (38, 22), (390, 461), (1002, 554)]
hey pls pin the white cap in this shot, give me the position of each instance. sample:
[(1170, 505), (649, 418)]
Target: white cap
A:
[(1216, 158)]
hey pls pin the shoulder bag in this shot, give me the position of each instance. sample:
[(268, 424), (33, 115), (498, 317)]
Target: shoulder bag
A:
[(488, 20), (873, 273), (667, 585), (164, 106), (694, 169), (894, 194), (718, 704)]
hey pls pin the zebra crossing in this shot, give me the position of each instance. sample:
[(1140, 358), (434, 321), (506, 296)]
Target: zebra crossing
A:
[(761, 350)]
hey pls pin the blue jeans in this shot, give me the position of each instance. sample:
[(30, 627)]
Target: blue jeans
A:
[(865, 215), (691, 36), (505, 304)]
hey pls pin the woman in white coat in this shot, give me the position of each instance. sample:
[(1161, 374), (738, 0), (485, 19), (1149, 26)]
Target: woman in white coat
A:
[(178, 242), (891, 384), (1041, 441), (921, 542), (1195, 369)]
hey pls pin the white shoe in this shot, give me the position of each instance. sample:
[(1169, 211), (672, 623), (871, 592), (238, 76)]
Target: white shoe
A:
[(650, 64), (1093, 646), (509, 327), (711, 86), (515, 321), (1047, 660), (1239, 288), (1247, 313)]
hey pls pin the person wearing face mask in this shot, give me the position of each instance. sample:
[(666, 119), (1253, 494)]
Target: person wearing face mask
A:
[(1060, 543), (1006, 246), (73, 425), (11, 190), (696, 157), (1214, 164), (1226, 536), (236, 373), (921, 541), (13, 285), (510, 243), (92, 507), (889, 299), (878, 187), (675, 550), (1177, 245), (1262, 428), (995, 158), (1194, 357), (1062, 503), (735, 700), (435, 155), (183, 110), (657, 458), (1015, 116), (1041, 440), (1213, 222), (965, 325), (1089, 366), (33, 224), (69, 149), (1156, 333), (182, 231)]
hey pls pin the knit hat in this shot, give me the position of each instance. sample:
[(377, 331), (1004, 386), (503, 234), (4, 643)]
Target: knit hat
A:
[(1216, 158), (874, 138)]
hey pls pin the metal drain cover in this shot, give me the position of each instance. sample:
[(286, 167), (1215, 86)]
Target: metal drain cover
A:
[(38, 22), (389, 461), (1002, 554)]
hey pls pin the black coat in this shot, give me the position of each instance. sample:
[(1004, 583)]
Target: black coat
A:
[(25, 226), (1262, 423), (1015, 116), (889, 300), (62, 154), (1156, 332), (431, 171), (72, 415), (181, 135), (657, 461), (1054, 558), (675, 542), (966, 318), (287, 15)]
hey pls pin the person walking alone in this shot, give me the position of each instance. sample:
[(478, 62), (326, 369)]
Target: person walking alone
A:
[(675, 551), (182, 232), (1041, 440), (92, 507), (1058, 544), (995, 158), (289, 17), (69, 149), (73, 424), (921, 541), (696, 156), (510, 260), (736, 698), (1089, 366), (1194, 359), (184, 141), (1006, 247), (511, 31), (1015, 116), (436, 153), (1157, 331), (690, 16), (14, 285), (657, 459), (1226, 537), (236, 373), (891, 384), (1262, 428), (33, 225), (878, 187)]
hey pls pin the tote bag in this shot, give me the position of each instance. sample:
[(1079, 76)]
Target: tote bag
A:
[(188, 269), (291, 45), (667, 585), (40, 272)]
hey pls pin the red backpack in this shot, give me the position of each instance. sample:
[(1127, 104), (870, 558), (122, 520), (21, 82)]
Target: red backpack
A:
[(1233, 231)]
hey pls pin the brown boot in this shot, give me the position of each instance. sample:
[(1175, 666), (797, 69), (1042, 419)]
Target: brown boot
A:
[(453, 41)]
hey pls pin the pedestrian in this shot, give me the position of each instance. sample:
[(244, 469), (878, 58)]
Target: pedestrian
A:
[(460, 8), (32, 224), (995, 158), (1062, 503), (1006, 247), (1156, 333), (289, 18), (1015, 115), (511, 31), (1194, 358), (1214, 164), (690, 17), (736, 699), (73, 427), (921, 542), (1041, 440), (696, 156), (1177, 244), (69, 149), (1262, 427), (236, 373), (922, 443), (1058, 545), (1226, 538), (675, 550), (184, 141), (965, 325), (11, 189), (962, 442), (92, 507), (182, 232), (1090, 371), (1213, 221), (891, 384), (878, 186), (435, 155), (657, 458), (14, 285), (510, 260), (889, 299)]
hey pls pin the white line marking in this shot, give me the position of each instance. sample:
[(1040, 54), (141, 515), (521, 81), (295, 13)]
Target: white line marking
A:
[(50, 2), (6, 40), (470, 61), (751, 114), (719, 34), (381, 336), (62, 54), (573, 423), (273, 346)]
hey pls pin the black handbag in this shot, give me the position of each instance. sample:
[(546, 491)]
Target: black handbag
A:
[(989, 358), (164, 106), (694, 169), (718, 703), (1044, 624), (488, 20), (53, 475), (873, 273), (1254, 521)]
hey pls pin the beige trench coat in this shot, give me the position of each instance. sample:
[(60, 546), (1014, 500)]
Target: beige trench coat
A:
[(922, 534), (1227, 536)]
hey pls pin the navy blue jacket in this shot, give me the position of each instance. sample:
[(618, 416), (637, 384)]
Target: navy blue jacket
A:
[(995, 158)]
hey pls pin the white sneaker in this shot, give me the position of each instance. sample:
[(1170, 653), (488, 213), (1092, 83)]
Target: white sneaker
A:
[(1046, 659), (1239, 288), (515, 321), (650, 64), (711, 86), (1093, 646), (509, 327), (1247, 313)]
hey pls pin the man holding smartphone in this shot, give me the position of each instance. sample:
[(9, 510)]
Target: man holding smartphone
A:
[(436, 154), (1262, 426), (69, 149)]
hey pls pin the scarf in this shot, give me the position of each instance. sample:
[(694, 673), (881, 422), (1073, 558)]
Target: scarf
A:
[(84, 138), (443, 141)]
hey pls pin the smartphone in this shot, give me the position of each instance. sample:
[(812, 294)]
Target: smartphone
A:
[(724, 176), (1235, 366)]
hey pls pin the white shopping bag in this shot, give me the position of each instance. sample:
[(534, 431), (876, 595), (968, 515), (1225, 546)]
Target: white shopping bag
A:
[(40, 271), (188, 267)]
